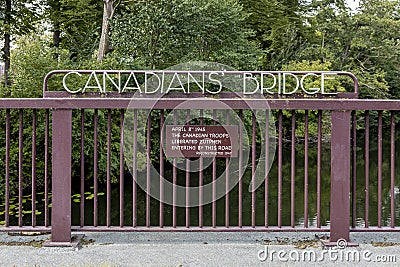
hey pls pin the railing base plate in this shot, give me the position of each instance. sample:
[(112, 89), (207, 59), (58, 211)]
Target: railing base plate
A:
[(75, 242)]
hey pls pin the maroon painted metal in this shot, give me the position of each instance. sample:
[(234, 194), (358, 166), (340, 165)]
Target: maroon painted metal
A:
[(253, 171), (340, 136), (46, 168), (293, 171), (392, 169), (174, 181), (366, 149), (95, 167), (148, 163), (214, 185), (172, 103), (108, 193), (61, 173), (33, 183), (306, 169), (121, 170), (240, 171), (280, 151), (134, 171), (20, 164), (7, 163), (266, 171), (340, 175), (187, 184), (201, 163), (82, 189), (161, 169), (379, 168), (227, 180), (354, 170), (319, 162)]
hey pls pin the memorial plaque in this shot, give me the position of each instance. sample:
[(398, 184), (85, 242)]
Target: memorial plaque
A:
[(194, 141)]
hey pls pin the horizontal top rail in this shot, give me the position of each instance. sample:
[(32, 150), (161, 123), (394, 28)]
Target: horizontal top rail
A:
[(199, 103)]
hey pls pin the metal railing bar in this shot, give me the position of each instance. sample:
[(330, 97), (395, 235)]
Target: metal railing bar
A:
[(148, 165), (161, 168), (366, 215), (354, 169), (33, 185), (82, 188), (392, 169), (253, 170), (7, 178), (266, 214), (108, 189), (306, 169), (379, 168), (214, 186), (227, 180), (121, 170), (319, 168), (20, 164), (95, 168), (280, 169), (46, 170), (293, 171)]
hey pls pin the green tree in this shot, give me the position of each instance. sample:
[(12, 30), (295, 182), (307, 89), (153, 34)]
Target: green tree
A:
[(161, 33), (16, 18), (365, 43), (76, 26), (279, 29)]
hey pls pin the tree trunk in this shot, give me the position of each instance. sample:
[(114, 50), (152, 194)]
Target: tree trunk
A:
[(56, 9), (7, 44), (105, 29)]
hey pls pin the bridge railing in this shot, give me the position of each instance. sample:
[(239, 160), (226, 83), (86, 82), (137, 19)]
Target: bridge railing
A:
[(294, 196)]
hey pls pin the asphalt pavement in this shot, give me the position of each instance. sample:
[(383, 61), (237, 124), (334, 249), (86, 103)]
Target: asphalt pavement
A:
[(202, 249)]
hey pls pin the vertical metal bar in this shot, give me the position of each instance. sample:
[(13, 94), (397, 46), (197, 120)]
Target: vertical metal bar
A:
[(161, 168), (319, 162), (121, 170), (34, 120), (82, 202), (280, 152), (306, 169), (266, 168), (354, 169), (108, 211), (227, 181), (392, 169), (253, 170), (293, 171), (46, 170), (134, 171), (214, 177), (7, 178), (148, 163), (201, 179), (174, 177), (240, 208), (187, 195), (379, 168), (366, 219), (61, 171), (340, 175), (20, 171), (95, 168)]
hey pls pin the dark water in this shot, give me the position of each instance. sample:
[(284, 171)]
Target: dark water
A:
[(273, 194)]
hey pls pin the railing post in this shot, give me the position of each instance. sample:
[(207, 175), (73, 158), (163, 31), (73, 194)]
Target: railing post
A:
[(340, 176), (61, 178)]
